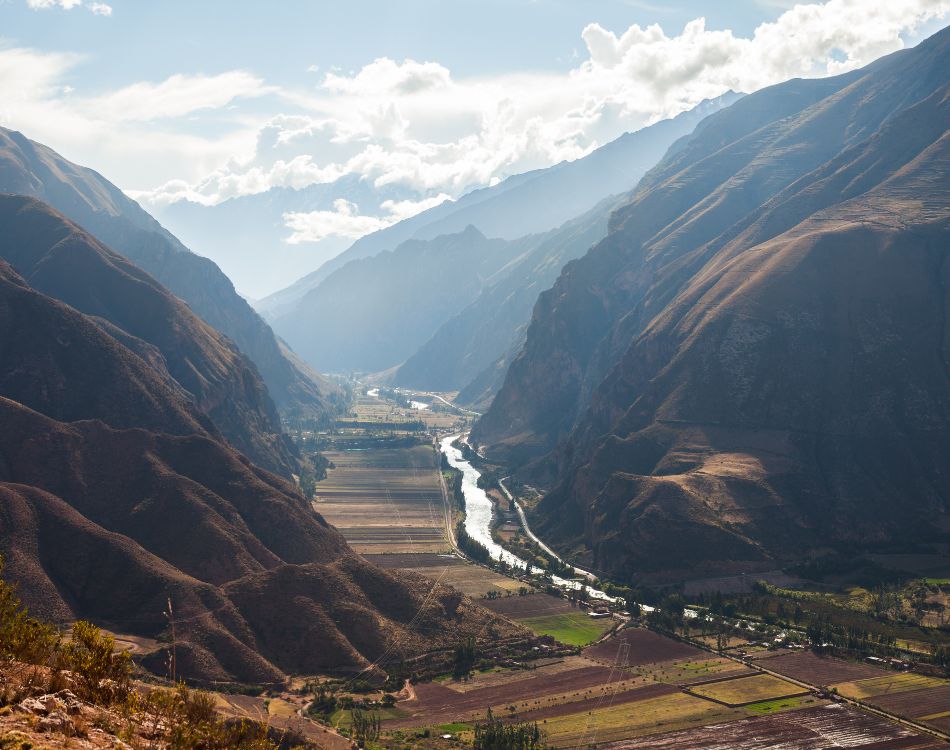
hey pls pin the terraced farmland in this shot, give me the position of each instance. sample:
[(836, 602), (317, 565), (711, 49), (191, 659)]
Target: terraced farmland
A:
[(385, 500)]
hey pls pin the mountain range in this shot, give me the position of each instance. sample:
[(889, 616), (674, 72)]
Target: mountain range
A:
[(483, 258), (122, 502), (82, 195), (752, 367), (52, 254)]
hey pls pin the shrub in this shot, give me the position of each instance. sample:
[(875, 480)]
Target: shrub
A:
[(102, 676), (23, 638)]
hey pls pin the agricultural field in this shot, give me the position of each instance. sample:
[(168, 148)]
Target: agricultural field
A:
[(642, 647), (548, 615), (578, 699), (523, 691), (929, 705), (633, 718), (472, 580), (370, 411), (887, 684), (641, 689), (814, 669), (696, 671), (739, 691), (385, 500), (574, 628), (813, 728)]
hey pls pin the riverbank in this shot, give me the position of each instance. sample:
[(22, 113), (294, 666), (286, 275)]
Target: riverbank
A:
[(478, 517)]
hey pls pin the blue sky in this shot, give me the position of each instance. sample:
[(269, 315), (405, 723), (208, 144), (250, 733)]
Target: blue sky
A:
[(206, 100), (280, 40)]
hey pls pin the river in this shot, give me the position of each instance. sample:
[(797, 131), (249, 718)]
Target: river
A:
[(478, 515)]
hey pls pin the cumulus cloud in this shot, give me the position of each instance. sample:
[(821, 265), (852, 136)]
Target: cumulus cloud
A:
[(97, 8), (345, 220), (415, 125), (412, 123), (385, 76)]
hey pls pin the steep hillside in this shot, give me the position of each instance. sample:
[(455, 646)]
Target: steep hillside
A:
[(85, 197), (62, 261), (466, 351), (108, 525), (373, 313), (752, 366), (530, 203), (62, 363), (119, 498)]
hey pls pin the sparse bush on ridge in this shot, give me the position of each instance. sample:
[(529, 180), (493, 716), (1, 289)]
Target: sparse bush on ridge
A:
[(86, 662)]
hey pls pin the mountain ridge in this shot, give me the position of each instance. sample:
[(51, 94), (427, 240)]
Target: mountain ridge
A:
[(99, 207), (658, 393)]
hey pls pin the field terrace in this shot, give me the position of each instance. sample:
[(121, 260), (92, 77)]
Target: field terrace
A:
[(641, 689), (634, 684), (385, 500)]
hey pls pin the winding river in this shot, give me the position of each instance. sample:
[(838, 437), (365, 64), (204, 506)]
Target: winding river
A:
[(478, 515)]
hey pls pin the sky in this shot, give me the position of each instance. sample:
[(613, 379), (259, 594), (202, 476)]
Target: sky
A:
[(206, 100)]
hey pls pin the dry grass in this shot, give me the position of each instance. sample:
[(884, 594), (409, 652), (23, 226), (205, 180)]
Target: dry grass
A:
[(897, 682), (760, 687), (664, 714)]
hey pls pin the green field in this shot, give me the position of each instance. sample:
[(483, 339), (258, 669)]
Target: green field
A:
[(572, 628), (782, 704)]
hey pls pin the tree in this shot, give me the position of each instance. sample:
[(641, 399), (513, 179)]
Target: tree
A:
[(496, 735), (365, 726), (464, 658)]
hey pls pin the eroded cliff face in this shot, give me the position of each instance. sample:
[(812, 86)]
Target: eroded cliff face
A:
[(753, 363)]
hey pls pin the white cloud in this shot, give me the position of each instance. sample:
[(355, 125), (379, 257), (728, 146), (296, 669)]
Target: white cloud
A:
[(345, 220), (177, 96), (385, 76), (43, 4), (97, 8), (415, 125)]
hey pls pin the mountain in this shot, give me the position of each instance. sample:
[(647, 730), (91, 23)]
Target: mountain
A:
[(41, 368), (751, 367), (470, 351), (239, 233), (62, 261), (118, 498), (530, 203), (374, 312), (85, 197)]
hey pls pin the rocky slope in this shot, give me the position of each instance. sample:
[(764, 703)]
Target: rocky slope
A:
[(752, 366), (117, 496), (85, 197), (62, 261)]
